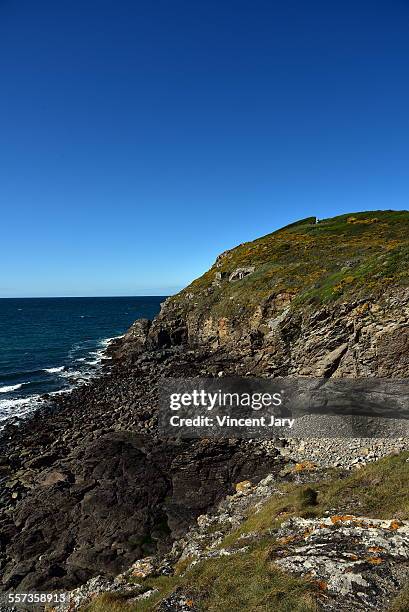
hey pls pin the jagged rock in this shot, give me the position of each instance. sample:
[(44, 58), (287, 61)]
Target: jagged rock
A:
[(142, 568), (90, 590), (54, 477), (133, 342), (114, 499), (330, 362), (240, 273), (41, 461), (177, 602)]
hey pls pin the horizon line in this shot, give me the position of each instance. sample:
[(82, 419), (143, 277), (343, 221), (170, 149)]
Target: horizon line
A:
[(79, 297)]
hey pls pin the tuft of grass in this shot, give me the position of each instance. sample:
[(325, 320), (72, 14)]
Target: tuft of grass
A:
[(401, 602), (379, 490), (246, 581), (109, 602), (307, 497)]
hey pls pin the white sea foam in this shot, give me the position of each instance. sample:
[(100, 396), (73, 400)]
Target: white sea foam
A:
[(99, 355), (71, 374), (78, 377), (21, 407), (93, 362), (107, 341), (60, 392), (54, 370), (17, 407), (10, 388)]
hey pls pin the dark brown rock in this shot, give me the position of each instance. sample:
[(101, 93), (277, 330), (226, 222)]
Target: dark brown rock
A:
[(115, 499)]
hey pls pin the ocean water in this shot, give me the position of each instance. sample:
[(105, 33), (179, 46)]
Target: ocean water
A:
[(49, 345)]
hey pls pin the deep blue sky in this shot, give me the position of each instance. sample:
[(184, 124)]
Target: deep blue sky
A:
[(140, 139)]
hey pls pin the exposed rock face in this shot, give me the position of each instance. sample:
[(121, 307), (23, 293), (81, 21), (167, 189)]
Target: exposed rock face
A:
[(133, 342), (115, 499), (97, 518), (355, 339), (240, 273)]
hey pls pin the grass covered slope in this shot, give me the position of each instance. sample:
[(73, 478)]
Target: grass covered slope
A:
[(249, 579), (313, 261), (247, 583), (380, 490)]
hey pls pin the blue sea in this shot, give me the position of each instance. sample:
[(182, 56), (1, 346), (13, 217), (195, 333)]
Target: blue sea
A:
[(49, 345)]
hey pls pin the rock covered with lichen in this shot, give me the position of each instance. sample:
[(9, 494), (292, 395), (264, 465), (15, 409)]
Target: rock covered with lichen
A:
[(356, 560)]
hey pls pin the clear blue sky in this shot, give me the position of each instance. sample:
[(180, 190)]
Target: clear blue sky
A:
[(139, 139)]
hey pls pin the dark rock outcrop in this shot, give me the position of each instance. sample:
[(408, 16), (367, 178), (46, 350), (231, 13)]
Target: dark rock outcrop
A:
[(133, 342), (116, 499)]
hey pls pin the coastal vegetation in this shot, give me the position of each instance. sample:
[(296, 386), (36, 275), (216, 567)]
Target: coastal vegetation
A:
[(250, 580), (311, 261)]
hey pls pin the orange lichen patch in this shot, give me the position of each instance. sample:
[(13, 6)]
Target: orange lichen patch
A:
[(352, 556), (375, 549), (342, 518), (305, 466), (288, 539), (321, 584), (395, 524), (189, 602), (374, 560), (244, 485)]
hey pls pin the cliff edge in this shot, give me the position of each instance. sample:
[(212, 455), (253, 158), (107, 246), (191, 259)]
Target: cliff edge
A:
[(88, 487)]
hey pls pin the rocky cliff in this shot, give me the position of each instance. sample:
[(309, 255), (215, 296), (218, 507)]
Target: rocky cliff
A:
[(88, 488), (317, 298)]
